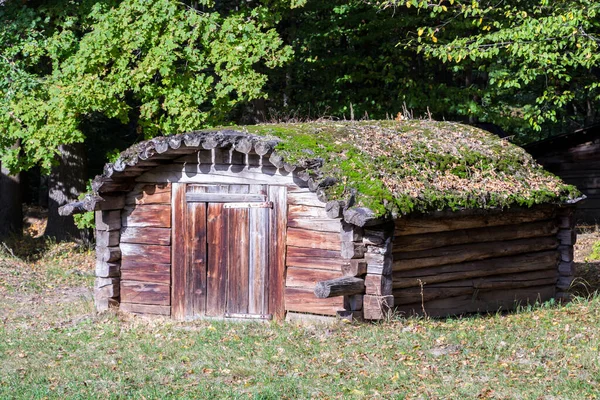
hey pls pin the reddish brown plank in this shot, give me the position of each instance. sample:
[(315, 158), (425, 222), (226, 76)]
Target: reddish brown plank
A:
[(150, 194), (145, 293), (145, 309), (145, 253), (313, 239), (155, 273), (306, 252), (304, 300), (148, 216), (196, 261), (238, 246), (330, 264), (159, 236), (308, 278), (258, 260), (216, 281), (277, 249), (178, 250)]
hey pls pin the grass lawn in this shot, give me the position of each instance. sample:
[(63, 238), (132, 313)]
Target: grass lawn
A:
[(53, 345)]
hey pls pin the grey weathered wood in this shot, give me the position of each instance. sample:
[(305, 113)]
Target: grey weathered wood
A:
[(356, 267), (224, 197), (344, 286), (141, 235), (379, 264), (107, 238), (108, 254), (354, 302), (352, 250), (334, 209), (107, 269), (305, 199), (380, 285), (316, 224), (377, 307), (108, 220)]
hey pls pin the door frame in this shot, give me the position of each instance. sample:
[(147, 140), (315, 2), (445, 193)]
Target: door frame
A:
[(181, 300)]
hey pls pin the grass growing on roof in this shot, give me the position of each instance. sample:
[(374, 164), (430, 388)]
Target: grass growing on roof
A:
[(400, 167)]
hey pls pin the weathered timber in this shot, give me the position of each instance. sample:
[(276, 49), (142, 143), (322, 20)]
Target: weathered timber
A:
[(380, 285), (316, 224), (344, 286), (304, 199), (377, 307), (107, 238), (304, 300), (567, 237), (566, 253), (145, 293), (158, 236), (145, 309), (238, 279), (214, 173), (293, 251), (324, 263), (178, 252), (353, 302), (108, 220), (494, 266), (355, 267), (217, 239), (470, 252), (487, 301), (361, 216), (106, 269), (147, 216), (350, 233), (425, 224), (508, 282), (110, 202), (106, 287), (149, 194), (306, 212), (351, 250), (426, 241), (224, 197), (104, 303), (277, 251), (258, 267), (308, 278), (566, 268), (313, 239), (146, 272), (564, 282), (334, 209), (375, 236), (108, 254), (378, 264), (147, 253)]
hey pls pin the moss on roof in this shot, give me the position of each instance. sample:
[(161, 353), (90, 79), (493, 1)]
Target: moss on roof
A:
[(398, 167)]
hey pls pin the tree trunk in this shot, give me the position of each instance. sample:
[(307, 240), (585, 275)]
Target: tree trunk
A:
[(65, 183), (11, 212)]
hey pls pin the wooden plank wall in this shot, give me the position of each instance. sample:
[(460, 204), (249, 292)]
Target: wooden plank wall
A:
[(580, 166), (145, 286), (454, 265), (313, 253)]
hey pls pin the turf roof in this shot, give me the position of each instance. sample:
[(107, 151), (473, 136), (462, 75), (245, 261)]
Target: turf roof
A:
[(398, 167)]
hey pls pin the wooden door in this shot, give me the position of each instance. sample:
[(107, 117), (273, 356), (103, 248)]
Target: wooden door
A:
[(227, 262)]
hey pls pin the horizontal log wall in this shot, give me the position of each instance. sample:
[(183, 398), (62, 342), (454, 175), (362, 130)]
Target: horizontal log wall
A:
[(145, 286), (313, 254), (580, 166), (477, 262)]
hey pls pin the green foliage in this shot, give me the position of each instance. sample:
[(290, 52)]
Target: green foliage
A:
[(531, 63), (595, 254), (167, 65)]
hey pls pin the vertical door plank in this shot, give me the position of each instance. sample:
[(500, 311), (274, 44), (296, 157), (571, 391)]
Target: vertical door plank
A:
[(178, 249), (237, 296), (277, 238), (238, 244), (197, 257), (217, 245), (259, 261)]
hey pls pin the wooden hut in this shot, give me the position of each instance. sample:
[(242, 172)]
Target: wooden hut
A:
[(575, 158), (352, 218)]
